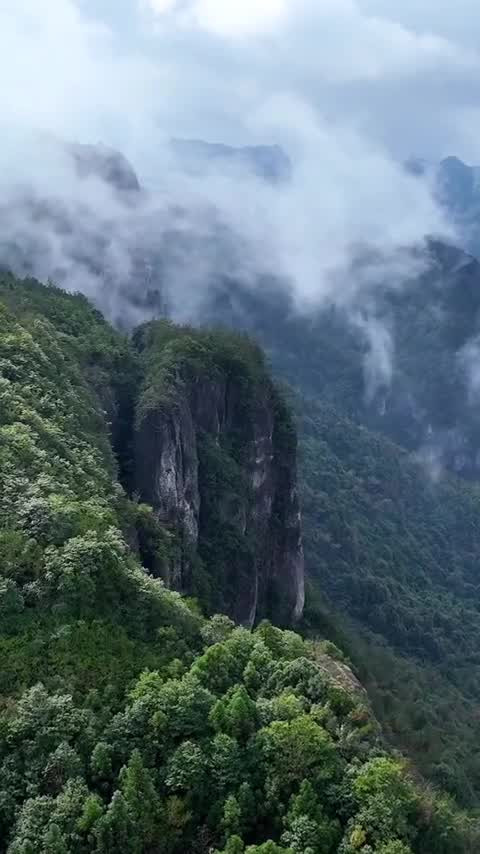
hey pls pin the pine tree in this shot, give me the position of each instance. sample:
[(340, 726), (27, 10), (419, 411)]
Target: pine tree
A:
[(141, 798), (116, 831)]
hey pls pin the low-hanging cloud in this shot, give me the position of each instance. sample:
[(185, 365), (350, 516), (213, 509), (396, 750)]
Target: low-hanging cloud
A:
[(134, 73)]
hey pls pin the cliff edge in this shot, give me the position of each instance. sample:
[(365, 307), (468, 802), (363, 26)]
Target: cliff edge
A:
[(215, 456)]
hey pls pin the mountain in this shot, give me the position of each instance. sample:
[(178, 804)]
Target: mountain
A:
[(455, 183), (106, 164), (196, 157), (365, 360), (202, 434), (456, 186), (392, 576), (87, 226), (203, 445), (215, 456), (128, 720), (390, 494)]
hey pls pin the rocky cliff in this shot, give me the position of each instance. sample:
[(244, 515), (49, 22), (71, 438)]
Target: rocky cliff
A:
[(215, 456)]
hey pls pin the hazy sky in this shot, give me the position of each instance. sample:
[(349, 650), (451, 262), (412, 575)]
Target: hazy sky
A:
[(401, 74)]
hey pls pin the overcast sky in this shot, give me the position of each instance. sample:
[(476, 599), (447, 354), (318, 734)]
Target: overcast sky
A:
[(402, 74)]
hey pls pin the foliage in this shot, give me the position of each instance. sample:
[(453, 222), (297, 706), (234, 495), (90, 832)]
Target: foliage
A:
[(177, 758), (210, 392), (391, 532), (396, 553), (128, 722)]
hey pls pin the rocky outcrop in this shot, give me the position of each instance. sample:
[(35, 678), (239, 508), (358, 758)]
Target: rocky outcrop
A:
[(106, 164), (216, 458)]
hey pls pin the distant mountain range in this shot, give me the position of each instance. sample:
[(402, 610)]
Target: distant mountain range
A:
[(197, 157), (456, 186), (387, 397)]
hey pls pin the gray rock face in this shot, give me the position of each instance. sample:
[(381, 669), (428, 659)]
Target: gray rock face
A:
[(257, 507)]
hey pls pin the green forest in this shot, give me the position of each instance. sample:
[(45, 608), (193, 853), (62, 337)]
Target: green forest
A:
[(392, 559), (391, 501), (133, 719)]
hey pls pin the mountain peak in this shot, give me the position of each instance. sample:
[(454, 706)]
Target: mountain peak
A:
[(105, 163), (268, 162)]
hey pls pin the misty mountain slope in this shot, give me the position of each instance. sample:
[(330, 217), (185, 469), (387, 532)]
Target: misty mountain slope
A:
[(86, 223), (127, 720), (365, 359), (197, 157), (456, 186), (107, 164), (364, 362), (398, 555), (63, 556), (391, 539)]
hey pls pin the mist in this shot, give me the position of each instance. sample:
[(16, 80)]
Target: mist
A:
[(135, 74)]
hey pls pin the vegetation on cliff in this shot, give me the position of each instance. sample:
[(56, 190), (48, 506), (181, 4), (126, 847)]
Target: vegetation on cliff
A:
[(392, 561), (391, 532), (129, 722), (216, 453)]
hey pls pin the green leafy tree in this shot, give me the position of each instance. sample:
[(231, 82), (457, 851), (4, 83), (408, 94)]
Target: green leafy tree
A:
[(186, 769), (54, 841), (235, 714), (141, 799), (232, 816), (225, 762), (101, 762), (307, 826), (217, 630), (116, 830), (298, 749), (234, 845), (62, 765)]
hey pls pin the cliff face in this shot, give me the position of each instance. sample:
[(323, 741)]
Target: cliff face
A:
[(215, 455)]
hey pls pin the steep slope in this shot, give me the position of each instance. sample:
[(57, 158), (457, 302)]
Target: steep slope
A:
[(392, 564), (456, 186), (68, 582), (127, 721), (392, 539), (215, 455), (365, 361), (106, 164)]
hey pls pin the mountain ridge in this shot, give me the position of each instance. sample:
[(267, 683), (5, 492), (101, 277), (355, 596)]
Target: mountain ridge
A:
[(126, 717)]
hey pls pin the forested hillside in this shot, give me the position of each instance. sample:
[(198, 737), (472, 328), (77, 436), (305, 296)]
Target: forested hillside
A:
[(129, 721), (397, 554), (391, 532), (401, 359)]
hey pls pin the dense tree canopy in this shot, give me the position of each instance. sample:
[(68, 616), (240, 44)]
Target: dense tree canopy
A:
[(391, 500), (128, 721)]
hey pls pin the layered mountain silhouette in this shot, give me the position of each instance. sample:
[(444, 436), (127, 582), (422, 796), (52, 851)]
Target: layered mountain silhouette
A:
[(456, 186), (386, 396), (197, 157)]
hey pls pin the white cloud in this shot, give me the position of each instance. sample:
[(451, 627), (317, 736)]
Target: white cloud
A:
[(338, 85), (229, 18), (343, 40), (62, 72), (239, 17), (162, 6), (408, 79)]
